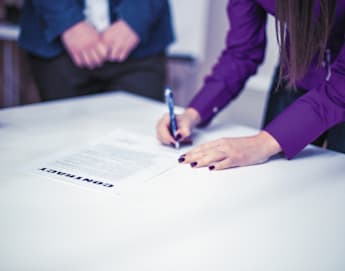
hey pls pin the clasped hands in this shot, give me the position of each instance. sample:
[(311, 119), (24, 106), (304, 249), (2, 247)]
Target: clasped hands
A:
[(90, 49)]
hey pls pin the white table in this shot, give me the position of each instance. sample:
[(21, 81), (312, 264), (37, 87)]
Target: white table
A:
[(282, 215)]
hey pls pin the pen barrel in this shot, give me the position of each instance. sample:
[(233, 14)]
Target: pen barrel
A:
[(173, 125), (169, 99)]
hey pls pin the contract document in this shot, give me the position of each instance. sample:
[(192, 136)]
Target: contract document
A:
[(120, 159)]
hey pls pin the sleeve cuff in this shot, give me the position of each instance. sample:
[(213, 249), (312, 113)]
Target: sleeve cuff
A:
[(296, 127), (210, 101)]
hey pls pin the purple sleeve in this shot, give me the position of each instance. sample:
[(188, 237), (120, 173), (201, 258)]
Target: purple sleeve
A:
[(313, 113), (244, 52)]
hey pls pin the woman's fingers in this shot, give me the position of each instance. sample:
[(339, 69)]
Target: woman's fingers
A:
[(184, 130), (191, 158), (163, 131), (182, 133), (214, 154), (211, 158), (207, 147), (223, 164), (202, 159)]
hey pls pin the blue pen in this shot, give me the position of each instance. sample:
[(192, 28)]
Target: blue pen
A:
[(169, 99)]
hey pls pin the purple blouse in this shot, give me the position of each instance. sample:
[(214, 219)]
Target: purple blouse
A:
[(322, 107)]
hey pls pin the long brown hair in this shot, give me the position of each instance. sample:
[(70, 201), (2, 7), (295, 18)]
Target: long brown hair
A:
[(302, 33)]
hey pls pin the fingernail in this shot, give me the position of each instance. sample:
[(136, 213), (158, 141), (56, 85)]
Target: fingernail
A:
[(211, 167), (194, 164), (181, 160), (178, 137)]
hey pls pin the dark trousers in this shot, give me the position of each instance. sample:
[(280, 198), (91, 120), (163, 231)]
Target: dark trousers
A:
[(281, 97), (59, 78)]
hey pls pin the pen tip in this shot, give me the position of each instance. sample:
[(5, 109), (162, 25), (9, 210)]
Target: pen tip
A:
[(177, 145)]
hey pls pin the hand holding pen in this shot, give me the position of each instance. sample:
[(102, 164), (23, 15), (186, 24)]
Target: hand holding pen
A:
[(178, 131)]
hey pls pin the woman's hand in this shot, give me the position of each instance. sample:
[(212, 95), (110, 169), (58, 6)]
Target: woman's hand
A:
[(232, 152), (185, 123)]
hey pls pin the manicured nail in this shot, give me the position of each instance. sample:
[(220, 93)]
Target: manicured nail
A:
[(178, 137), (211, 167), (181, 160), (193, 164)]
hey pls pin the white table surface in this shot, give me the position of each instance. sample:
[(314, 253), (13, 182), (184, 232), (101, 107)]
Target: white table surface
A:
[(282, 215)]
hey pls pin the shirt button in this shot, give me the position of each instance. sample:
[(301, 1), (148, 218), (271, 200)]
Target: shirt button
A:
[(215, 109)]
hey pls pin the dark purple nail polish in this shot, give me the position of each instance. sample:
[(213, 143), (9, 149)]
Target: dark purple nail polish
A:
[(178, 137), (194, 164), (181, 160), (211, 167)]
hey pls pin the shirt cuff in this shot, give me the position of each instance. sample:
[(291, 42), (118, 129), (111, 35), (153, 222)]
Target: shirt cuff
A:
[(296, 127), (210, 101)]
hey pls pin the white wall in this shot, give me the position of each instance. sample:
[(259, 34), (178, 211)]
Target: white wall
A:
[(190, 22)]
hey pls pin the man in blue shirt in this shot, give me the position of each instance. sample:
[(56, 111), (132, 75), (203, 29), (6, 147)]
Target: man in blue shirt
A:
[(75, 49)]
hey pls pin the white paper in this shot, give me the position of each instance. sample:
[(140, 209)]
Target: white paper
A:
[(118, 160)]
